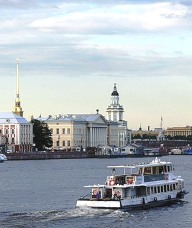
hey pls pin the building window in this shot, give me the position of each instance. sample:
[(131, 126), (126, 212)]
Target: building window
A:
[(13, 131), (63, 143), (64, 131), (68, 131), (6, 131), (0, 131), (68, 143), (51, 129), (57, 143), (57, 131), (13, 140)]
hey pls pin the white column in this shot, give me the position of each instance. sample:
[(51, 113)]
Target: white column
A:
[(91, 139), (93, 136)]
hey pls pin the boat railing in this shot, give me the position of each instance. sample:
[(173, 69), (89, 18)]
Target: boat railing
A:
[(86, 196), (137, 196)]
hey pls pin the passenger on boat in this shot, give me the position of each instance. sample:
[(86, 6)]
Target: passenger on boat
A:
[(97, 195)]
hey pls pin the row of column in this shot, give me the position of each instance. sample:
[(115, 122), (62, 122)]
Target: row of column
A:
[(97, 136)]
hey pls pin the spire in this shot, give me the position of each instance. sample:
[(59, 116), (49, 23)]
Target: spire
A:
[(17, 109), (161, 124)]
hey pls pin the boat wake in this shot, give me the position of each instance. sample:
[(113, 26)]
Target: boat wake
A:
[(28, 219)]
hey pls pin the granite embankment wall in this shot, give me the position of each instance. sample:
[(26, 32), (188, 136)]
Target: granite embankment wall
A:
[(47, 155)]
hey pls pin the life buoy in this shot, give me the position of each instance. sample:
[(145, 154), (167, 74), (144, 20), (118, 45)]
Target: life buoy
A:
[(112, 182)]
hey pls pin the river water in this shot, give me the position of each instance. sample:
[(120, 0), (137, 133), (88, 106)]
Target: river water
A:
[(43, 193)]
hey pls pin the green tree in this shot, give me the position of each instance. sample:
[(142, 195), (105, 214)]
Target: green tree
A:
[(42, 134)]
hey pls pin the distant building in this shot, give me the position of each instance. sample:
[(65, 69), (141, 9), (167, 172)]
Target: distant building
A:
[(81, 131), (179, 131), (144, 133), (16, 133), (115, 114)]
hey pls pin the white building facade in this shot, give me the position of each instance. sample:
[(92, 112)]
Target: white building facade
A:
[(81, 130), (16, 133)]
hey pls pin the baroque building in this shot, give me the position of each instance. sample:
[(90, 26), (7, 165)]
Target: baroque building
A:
[(115, 114), (16, 133)]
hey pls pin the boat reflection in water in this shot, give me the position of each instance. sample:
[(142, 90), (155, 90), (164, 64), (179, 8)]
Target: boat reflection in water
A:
[(137, 186)]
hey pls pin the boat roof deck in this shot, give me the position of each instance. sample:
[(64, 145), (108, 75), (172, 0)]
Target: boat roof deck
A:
[(141, 165)]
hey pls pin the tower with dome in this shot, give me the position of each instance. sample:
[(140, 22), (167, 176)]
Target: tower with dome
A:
[(115, 114)]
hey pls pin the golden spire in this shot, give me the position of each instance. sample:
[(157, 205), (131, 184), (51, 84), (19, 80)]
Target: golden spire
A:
[(17, 109)]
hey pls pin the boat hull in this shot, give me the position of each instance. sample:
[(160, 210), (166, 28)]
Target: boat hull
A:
[(106, 204), (125, 204)]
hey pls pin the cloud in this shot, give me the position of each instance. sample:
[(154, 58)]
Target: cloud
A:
[(98, 37)]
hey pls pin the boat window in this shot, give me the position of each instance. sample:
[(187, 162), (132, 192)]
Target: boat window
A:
[(171, 187), (165, 188), (162, 188), (168, 167), (147, 170), (120, 180), (160, 169), (156, 170), (148, 191), (155, 190), (158, 189), (165, 168), (151, 190)]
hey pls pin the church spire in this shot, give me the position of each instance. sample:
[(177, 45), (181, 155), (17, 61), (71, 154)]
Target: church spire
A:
[(17, 109)]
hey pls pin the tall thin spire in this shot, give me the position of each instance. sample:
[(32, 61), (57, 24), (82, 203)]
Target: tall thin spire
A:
[(17, 109), (17, 80)]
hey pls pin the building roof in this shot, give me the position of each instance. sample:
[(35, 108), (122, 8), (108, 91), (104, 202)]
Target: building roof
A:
[(81, 118), (11, 118)]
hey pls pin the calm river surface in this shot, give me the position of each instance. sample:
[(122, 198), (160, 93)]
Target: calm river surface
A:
[(43, 193)]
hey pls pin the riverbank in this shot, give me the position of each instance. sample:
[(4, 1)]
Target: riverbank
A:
[(41, 155)]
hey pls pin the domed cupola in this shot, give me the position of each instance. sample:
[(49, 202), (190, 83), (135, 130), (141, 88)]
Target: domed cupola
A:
[(115, 93), (115, 110)]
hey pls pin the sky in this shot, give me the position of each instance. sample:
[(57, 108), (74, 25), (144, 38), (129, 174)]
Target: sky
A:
[(72, 52)]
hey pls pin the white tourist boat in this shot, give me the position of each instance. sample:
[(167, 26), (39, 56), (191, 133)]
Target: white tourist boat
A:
[(138, 186)]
